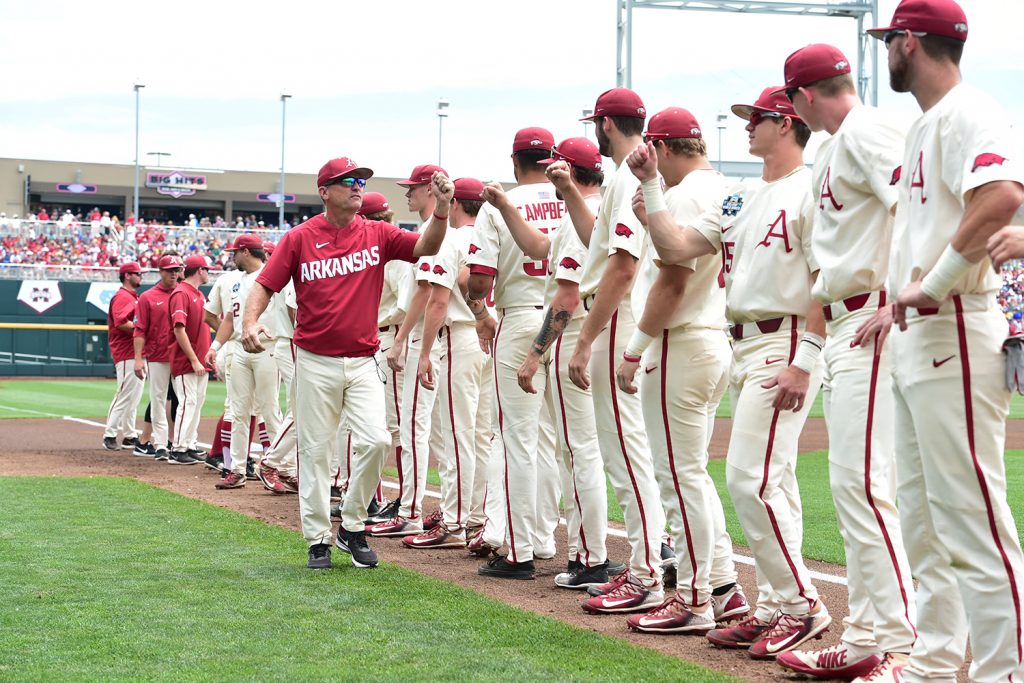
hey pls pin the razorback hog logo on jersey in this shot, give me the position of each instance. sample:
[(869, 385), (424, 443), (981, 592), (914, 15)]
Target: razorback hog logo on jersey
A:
[(425, 267), (623, 231), (438, 270), (338, 266), (987, 159), (570, 263), (896, 174), (473, 249)]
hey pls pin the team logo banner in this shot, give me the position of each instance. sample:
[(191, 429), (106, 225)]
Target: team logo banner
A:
[(40, 295), (100, 294)]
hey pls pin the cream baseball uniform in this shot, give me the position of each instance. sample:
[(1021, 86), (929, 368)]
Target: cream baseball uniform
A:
[(283, 452), (584, 496), (219, 304), (851, 242), (952, 402), (685, 374), (529, 472), (620, 426), (763, 231)]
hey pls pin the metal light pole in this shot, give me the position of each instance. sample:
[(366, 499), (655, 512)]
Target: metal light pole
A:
[(159, 156), (135, 199), (586, 113), (442, 104), (280, 199), (721, 127)]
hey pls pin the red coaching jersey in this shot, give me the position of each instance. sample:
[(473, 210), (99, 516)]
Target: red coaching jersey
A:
[(338, 275), (121, 310), (153, 322), (187, 308)]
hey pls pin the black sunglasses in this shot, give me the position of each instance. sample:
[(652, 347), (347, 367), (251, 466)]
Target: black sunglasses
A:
[(888, 36), (791, 93)]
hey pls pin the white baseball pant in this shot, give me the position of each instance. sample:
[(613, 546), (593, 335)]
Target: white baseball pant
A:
[(125, 406), (483, 446), (420, 431), (254, 391), (159, 375), (191, 391), (283, 452)]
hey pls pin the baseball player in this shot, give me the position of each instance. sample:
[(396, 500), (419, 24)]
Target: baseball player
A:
[(421, 431), (463, 383), (851, 241), (680, 342), (253, 381), (496, 261), (614, 246), (336, 261), (152, 339), (959, 182), (120, 329), (189, 374), (763, 231)]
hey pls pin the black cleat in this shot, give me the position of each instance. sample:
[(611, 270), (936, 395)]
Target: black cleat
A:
[(319, 556), (354, 543), (110, 443), (499, 567)]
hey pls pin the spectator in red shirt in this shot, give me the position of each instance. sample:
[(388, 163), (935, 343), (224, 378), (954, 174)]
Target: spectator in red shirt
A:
[(120, 330), (189, 374)]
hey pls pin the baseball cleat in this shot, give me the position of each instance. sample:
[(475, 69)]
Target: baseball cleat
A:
[(432, 520), (613, 583), (161, 454), (730, 606), (181, 458), (630, 596), (399, 526), (110, 443), (476, 545), (499, 567), (832, 662), (740, 636), (250, 470), (290, 482), (144, 450), (673, 616), (389, 511), (129, 444), (270, 478), (889, 670), (233, 480), (579, 576), (319, 556), (354, 543), (438, 537), (789, 631), (214, 462)]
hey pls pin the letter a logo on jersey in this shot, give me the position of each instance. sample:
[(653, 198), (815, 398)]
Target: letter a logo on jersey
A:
[(783, 232), (826, 191), (917, 179)]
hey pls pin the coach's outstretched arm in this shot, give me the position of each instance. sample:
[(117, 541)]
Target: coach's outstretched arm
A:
[(674, 243), (430, 241)]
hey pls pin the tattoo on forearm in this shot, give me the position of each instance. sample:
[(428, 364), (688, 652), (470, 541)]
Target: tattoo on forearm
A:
[(554, 324)]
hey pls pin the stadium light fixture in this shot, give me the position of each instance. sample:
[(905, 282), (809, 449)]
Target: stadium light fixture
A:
[(442, 114), (135, 198), (280, 200)]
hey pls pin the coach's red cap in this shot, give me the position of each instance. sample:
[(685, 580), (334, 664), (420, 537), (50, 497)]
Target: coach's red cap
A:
[(422, 174), (170, 263), (577, 152), (373, 202), (618, 102), (337, 168), (246, 241), (130, 267), (674, 122), (814, 63), (771, 100), (269, 247), (468, 189), (938, 17), (197, 262), (533, 138)]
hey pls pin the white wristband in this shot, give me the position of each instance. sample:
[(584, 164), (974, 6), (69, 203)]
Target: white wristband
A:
[(654, 198), (808, 351), (215, 345), (950, 267), (638, 343)]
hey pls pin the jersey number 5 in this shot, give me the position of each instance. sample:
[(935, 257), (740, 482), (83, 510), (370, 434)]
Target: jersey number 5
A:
[(537, 268)]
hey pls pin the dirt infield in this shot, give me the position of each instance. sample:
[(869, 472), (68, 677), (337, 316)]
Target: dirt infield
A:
[(68, 448)]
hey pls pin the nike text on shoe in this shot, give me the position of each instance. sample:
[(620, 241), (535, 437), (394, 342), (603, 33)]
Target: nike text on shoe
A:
[(630, 596), (399, 526), (438, 537), (789, 631), (354, 543), (499, 567), (673, 616), (730, 606), (740, 636), (579, 576), (319, 556), (832, 662), (889, 670)]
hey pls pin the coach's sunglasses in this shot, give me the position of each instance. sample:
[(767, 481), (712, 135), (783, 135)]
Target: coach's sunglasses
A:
[(349, 182), (758, 116)]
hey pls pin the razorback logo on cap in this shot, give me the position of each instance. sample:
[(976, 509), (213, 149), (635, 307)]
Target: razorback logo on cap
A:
[(438, 270), (534, 142), (896, 175), (425, 267), (623, 231), (842, 64), (473, 249), (641, 111), (569, 263), (695, 131), (987, 159), (960, 27)]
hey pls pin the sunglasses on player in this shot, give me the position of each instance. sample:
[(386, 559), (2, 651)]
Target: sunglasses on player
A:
[(348, 182), (791, 93), (759, 116), (895, 33)]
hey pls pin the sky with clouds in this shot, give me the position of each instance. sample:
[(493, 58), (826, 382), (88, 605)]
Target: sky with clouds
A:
[(365, 76)]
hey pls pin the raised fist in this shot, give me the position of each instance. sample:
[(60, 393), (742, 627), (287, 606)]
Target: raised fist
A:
[(442, 188), (643, 162)]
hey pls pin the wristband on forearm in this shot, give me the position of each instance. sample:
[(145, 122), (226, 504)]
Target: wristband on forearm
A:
[(636, 346), (950, 267), (807, 353), (654, 198), (215, 345)]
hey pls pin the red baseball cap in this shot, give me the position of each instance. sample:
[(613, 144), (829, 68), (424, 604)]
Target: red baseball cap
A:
[(577, 152), (814, 63), (674, 122), (533, 138), (130, 267), (772, 99), (337, 168), (618, 102), (937, 17), (269, 247), (199, 261), (373, 202), (245, 241), (170, 263), (422, 174), (469, 189)]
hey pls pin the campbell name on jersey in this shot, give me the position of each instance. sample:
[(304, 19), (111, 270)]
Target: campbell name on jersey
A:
[(567, 255)]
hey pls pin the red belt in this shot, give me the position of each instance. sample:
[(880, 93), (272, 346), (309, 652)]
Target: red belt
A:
[(765, 327), (853, 303)]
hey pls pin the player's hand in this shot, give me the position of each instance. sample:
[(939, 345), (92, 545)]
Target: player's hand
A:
[(396, 356), (425, 373), (140, 369), (1006, 244), (874, 330), (486, 330), (911, 297), (639, 208), (526, 372), (643, 162), (198, 367), (560, 175), (211, 359), (494, 194), (579, 365), (625, 374), (442, 188), (251, 338), (793, 384)]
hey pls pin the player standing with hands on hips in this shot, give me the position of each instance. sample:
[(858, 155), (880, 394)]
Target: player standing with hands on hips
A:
[(336, 261)]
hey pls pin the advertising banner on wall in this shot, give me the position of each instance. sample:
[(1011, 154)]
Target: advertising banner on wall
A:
[(100, 294), (40, 295)]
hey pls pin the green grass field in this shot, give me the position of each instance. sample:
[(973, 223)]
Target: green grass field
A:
[(136, 583)]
